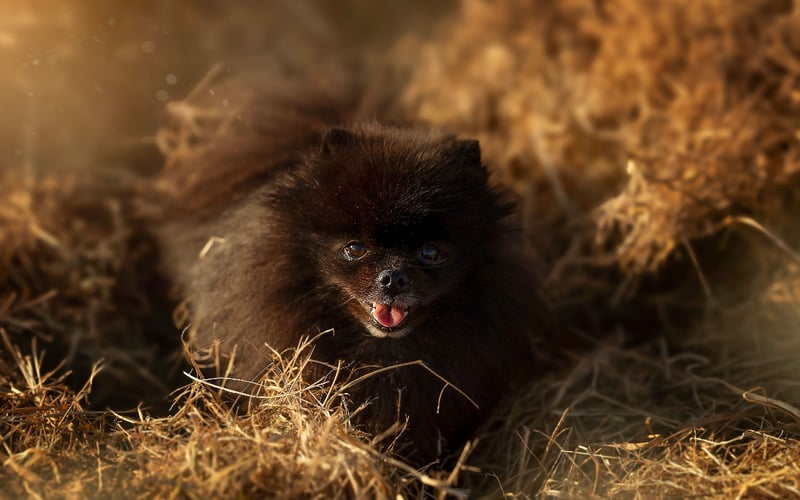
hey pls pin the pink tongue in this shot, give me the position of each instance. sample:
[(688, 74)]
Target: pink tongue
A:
[(388, 316)]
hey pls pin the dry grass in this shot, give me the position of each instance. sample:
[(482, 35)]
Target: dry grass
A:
[(293, 441), (662, 142), (655, 152)]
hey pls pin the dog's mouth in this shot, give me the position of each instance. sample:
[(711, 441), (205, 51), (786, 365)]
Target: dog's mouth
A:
[(388, 316), (387, 320)]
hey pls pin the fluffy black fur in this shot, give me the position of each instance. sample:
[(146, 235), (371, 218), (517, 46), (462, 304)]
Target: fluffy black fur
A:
[(350, 219)]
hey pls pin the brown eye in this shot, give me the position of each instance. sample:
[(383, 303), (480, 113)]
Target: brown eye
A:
[(430, 254), (354, 250)]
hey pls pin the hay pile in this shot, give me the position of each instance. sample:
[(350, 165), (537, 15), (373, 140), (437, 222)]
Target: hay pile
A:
[(655, 151)]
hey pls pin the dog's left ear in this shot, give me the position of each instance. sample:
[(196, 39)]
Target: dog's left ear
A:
[(468, 150)]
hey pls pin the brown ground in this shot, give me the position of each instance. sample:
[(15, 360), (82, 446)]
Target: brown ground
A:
[(655, 151)]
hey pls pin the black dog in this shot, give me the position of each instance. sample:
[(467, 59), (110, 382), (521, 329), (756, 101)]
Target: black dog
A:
[(392, 238)]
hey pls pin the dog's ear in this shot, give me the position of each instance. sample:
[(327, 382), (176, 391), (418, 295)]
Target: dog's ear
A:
[(469, 151), (334, 139)]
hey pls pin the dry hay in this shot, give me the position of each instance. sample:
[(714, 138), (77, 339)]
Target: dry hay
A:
[(654, 149), (657, 139), (698, 101), (293, 441)]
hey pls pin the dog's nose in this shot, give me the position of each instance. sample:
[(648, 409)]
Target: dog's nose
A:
[(392, 281)]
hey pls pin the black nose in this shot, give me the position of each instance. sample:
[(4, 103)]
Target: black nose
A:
[(392, 280)]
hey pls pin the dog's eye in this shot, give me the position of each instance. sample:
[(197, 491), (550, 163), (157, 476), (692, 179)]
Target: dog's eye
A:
[(430, 254), (354, 250)]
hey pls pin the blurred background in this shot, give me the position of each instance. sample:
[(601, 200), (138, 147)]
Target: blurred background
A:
[(89, 77)]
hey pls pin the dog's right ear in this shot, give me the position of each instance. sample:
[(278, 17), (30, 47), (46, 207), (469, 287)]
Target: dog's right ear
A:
[(334, 139)]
